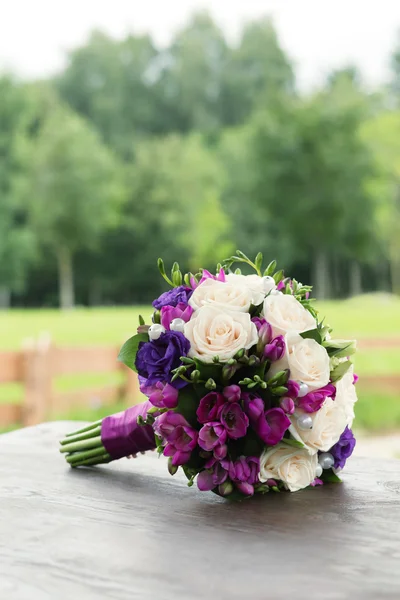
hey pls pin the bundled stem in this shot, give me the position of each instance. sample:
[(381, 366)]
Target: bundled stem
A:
[(84, 447)]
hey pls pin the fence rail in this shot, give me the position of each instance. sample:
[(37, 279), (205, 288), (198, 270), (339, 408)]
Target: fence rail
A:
[(40, 361), (38, 364)]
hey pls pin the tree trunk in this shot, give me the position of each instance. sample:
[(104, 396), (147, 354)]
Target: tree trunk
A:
[(355, 279), (395, 275), (5, 297), (65, 279), (321, 281), (337, 283)]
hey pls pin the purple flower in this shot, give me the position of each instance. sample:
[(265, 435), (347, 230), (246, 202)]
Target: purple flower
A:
[(162, 395), (275, 349), (232, 393), (355, 378), (209, 407), (180, 311), (213, 475), (244, 473), (234, 420), (181, 438), (207, 275), (270, 425), (313, 401), (264, 331), (293, 389), (287, 405), (343, 449), (156, 359), (280, 285), (173, 297), (212, 435)]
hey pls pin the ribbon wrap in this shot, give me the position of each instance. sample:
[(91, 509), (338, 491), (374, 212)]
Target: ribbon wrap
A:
[(122, 436)]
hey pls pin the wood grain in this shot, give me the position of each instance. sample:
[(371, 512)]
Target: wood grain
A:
[(131, 531)]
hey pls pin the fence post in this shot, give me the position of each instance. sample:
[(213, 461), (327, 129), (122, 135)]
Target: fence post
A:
[(37, 379)]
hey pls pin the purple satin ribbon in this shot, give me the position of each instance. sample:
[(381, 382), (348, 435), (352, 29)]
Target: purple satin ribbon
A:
[(122, 436)]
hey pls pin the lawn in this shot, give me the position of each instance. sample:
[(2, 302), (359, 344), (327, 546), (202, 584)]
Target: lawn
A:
[(371, 316)]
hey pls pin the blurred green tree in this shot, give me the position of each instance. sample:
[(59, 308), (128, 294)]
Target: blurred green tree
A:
[(72, 191)]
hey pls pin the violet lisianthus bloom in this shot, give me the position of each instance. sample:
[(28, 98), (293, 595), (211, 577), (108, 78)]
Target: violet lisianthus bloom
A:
[(212, 435), (180, 311), (313, 401), (275, 349), (343, 449), (180, 294), (209, 407), (161, 394), (234, 420), (180, 437), (244, 473), (156, 359), (270, 425)]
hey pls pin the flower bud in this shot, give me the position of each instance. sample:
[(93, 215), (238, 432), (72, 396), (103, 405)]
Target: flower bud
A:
[(171, 468), (232, 393), (226, 488), (287, 405), (210, 384)]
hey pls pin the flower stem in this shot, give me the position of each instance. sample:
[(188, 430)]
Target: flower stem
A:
[(84, 429), (97, 460), (82, 445), (77, 457), (87, 435)]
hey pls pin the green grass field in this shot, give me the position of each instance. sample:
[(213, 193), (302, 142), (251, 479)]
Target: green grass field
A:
[(371, 316)]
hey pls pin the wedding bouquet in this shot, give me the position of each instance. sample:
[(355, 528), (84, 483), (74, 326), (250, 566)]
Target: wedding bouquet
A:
[(247, 391)]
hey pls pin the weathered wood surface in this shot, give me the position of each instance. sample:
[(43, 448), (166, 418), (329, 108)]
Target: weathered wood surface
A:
[(131, 531)]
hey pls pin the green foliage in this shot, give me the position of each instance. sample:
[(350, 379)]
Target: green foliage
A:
[(127, 354)]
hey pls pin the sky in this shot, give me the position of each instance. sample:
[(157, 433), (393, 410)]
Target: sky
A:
[(318, 35)]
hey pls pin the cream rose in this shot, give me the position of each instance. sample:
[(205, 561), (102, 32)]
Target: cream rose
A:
[(234, 297), (329, 422), (346, 395), (294, 466), (307, 360), (213, 331), (284, 313), (258, 286)]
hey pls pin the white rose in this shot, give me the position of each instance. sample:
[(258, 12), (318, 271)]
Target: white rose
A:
[(346, 395), (221, 294), (284, 313), (329, 422), (294, 466), (259, 286), (213, 331), (307, 360)]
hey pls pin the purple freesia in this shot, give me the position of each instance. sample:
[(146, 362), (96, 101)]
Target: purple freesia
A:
[(264, 332), (207, 275), (313, 401), (293, 389), (181, 438), (232, 393), (287, 405), (244, 473), (162, 395), (213, 475), (234, 420), (156, 359), (177, 295), (180, 311), (275, 349), (212, 435), (343, 449), (209, 407), (270, 425)]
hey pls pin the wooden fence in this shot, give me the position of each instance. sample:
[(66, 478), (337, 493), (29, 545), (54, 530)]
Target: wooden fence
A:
[(40, 362)]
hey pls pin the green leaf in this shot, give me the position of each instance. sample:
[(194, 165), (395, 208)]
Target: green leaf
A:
[(340, 370), (269, 271), (312, 334), (141, 320), (127, 354), (329, 476), (258, 262), (340, 348), (279, 275), (293, 442)]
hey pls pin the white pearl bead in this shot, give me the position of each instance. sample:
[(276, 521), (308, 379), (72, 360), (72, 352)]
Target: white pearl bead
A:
[(268, 283), (177, 325), (303, 391), (304, 422), (155, 331), (326, 460), (318, 471)]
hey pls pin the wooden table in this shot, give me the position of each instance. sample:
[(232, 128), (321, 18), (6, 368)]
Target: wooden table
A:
[(130, 531)]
